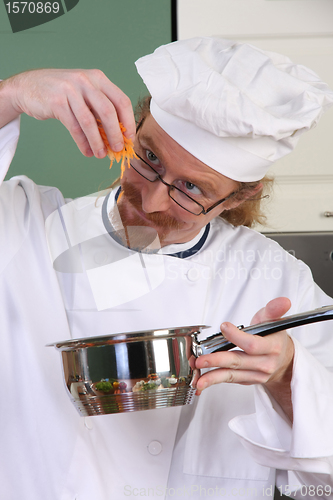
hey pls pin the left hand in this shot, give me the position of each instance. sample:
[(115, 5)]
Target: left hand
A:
[(263, 360)]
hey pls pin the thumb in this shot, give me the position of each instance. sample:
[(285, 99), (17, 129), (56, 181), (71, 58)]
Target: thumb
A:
[(273, 310)]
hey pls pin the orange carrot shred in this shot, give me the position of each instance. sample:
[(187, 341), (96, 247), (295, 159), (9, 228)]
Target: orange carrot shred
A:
[(125, 155)]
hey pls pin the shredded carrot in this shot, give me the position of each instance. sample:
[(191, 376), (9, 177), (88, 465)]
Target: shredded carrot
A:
[(125, 155)]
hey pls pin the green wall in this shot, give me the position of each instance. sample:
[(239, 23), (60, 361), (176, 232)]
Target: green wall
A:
[(105, 34)]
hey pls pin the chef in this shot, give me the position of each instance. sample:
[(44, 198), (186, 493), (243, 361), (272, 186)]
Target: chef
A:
[(221, 113)]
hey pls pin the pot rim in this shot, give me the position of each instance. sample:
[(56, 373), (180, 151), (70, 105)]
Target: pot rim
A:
[(115, 338)]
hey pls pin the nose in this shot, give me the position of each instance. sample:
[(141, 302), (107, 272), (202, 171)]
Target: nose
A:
[(155, 197)]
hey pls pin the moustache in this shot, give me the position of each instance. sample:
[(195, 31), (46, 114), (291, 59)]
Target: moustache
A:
[(158, 219)]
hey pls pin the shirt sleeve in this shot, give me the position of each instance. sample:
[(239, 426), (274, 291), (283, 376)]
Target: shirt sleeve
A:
[(301, 452), (9, 135), (306, 447)]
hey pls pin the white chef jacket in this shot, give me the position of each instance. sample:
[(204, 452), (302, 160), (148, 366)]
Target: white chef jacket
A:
[(234, 441)]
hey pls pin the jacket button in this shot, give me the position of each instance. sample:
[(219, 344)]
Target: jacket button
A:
[(193, 274), (155, 448)]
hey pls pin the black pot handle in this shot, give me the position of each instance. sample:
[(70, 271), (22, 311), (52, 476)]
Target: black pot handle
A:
[(218, 342)]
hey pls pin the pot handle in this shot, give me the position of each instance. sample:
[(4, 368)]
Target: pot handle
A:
[(218, 342)]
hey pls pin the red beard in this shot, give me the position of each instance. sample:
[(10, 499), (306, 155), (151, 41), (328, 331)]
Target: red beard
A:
[(162, 223)]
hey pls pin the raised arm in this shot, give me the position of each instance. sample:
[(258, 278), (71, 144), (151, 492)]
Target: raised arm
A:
[(74, 97)]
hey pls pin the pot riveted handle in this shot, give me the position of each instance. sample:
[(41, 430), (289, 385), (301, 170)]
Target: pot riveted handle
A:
[(218, 342)]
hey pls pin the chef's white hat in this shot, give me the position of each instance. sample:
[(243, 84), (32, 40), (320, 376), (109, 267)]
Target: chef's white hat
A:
[(233, 106)]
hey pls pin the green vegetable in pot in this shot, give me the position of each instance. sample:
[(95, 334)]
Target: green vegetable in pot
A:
[(104, 386)]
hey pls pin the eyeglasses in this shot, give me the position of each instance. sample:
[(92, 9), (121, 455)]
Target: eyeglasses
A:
[(177, 195)]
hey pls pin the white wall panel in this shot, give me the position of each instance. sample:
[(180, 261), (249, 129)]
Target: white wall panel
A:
[(235, 18), (303, 31)]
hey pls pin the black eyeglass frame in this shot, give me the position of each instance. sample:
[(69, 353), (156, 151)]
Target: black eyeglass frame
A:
[(172, 187)]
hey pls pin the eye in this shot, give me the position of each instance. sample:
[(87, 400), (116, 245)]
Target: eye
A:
[(191, 188), (152, 158)]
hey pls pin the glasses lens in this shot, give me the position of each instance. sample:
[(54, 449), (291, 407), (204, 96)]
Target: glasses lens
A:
[(143, 169), (175, 193), (185, 202)]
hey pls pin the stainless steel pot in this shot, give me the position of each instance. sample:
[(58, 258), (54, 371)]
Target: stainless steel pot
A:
[(149, 369)]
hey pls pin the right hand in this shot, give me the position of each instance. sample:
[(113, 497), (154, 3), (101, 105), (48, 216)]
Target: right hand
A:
[(75, 98)]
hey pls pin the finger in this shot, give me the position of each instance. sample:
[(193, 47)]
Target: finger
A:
[(273, 310), (235, 360), (74, 128), (107, 113), (266, 364), (253, 344), (124, 109), (122, 104), (228, 376), (87, 123)]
